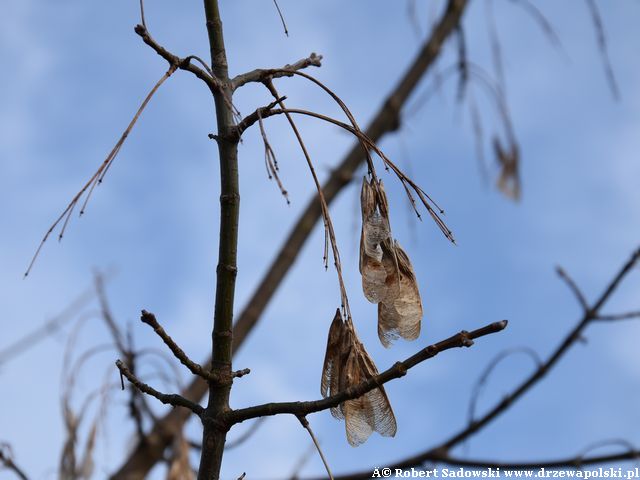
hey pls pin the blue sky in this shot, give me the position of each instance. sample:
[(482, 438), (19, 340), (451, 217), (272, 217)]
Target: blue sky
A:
[(74, 74)]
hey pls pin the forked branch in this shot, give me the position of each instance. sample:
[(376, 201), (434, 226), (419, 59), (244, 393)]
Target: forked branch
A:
[(181, 63)]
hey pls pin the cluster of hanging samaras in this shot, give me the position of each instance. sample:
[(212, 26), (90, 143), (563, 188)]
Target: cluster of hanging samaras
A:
[(388, 280)]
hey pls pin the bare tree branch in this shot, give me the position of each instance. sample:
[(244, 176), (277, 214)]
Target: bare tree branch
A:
[(168, 399), (399, 369), (259, 75)]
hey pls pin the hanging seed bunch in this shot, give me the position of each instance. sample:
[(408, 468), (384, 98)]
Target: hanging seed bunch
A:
[(388, 278), (346, 364)]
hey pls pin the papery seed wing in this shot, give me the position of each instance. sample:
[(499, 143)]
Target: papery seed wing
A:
[(509, 179), (392, 269), (374, 277), (331, 366), (367, 199), (375, 223), (379, 414), (358, 425), (358, 413), (402, 316)]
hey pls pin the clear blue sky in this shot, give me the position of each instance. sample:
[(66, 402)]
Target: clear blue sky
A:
[(74, 73)]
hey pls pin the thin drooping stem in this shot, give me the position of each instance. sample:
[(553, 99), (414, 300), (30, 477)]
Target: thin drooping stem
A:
[(307, 427), (214, 433)]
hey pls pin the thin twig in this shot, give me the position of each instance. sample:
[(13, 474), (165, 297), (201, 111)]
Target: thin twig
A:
[(602, 46), (271, 161), (142, 20), (98, 176), (619, 316), (284, 24), (6, 460), (150, 319), (409, 185), (482, 379), (543, 22), (107, 316), (168, 399), (305, 423), (330, 236), (573, 287)]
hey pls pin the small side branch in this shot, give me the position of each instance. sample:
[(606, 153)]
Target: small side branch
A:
[(168, 399), (6, 461), (195, 368), (259, 75), (573, 287), (462, 339), (174, 60), (618, 316)]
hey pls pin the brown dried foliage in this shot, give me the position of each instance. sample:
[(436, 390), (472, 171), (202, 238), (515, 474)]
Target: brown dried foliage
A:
[(346, 364), (388, 278)]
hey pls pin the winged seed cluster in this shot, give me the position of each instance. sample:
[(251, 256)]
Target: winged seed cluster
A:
[(388, 279)]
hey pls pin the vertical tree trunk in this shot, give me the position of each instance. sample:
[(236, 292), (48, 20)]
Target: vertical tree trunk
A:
[(215, 431)]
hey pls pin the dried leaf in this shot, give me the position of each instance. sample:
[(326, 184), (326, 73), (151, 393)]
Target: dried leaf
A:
[(346, 364), (401, 316), (376, 231), (375, 219), (509, 161), (374, 277)]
